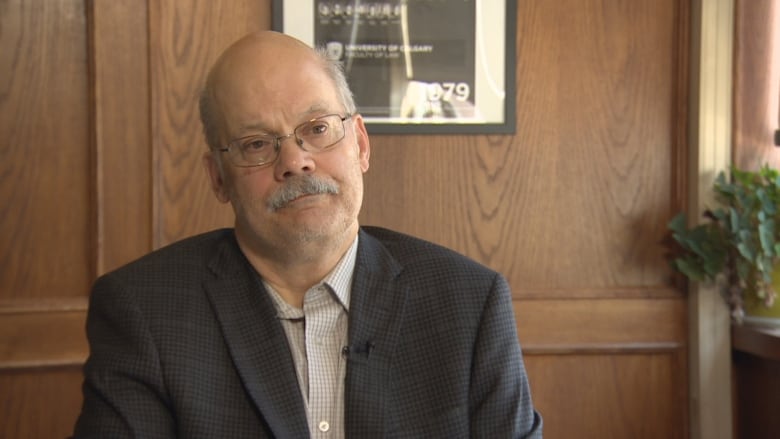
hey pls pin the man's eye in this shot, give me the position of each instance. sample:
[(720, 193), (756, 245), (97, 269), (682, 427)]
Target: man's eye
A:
[(257, 144), (318, 129)]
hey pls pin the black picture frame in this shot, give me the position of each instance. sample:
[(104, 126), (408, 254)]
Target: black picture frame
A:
[(381, 46)]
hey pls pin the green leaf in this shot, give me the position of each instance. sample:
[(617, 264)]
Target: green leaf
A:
[(689, 269), (746, 250), (678, 224), (734, 220), (766, 235)]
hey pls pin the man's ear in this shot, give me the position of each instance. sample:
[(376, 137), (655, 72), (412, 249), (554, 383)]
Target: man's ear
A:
[(364, 146), (216, 176)]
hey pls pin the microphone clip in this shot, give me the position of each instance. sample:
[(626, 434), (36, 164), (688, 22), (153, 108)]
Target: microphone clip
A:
[(358, 349)]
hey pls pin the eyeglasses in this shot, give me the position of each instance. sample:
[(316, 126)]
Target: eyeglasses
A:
[(315, 135)]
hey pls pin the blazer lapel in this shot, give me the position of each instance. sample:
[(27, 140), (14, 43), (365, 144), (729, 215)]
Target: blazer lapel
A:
[(256, 341), (376, 311)]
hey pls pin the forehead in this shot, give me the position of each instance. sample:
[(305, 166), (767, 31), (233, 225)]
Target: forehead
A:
[(263, 94)]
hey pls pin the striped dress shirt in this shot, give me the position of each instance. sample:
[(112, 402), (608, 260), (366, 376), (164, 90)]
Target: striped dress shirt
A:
[(316, 335)]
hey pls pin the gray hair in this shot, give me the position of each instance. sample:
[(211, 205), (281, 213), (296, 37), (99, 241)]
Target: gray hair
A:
[(332, 68), (335, 70)]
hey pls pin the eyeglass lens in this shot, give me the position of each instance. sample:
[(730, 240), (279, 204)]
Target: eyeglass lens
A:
[(312, 136)]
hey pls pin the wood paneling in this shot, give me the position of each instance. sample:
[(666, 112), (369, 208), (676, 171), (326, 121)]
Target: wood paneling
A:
[(605, 324), (119, 64), (44, 403), (42, 335), (44, 159), (572, 208), (46, 221), (610, 396), (607, 368)]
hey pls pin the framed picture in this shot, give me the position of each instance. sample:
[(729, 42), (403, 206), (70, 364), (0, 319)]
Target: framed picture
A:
[(417, 66)]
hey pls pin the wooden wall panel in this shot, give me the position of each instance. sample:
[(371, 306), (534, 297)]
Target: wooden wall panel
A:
[(119, 63), (572, 208), (567, 325), (44, 405), (610, 396), (45, 156), (41, 337), (607, 368)]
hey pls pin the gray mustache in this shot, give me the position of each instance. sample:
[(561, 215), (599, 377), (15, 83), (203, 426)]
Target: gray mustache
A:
[(298, 187)]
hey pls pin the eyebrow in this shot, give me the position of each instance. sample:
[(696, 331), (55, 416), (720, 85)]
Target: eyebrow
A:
[(312, 112)]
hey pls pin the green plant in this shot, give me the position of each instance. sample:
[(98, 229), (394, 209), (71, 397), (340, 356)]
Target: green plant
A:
[(739, 241)]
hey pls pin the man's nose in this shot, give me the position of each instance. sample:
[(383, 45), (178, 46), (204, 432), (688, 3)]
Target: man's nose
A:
[(293, 159)]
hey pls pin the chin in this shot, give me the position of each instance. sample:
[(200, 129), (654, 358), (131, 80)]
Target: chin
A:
[(317, 231)]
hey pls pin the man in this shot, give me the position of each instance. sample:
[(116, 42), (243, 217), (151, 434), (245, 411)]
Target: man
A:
[(298, 322)]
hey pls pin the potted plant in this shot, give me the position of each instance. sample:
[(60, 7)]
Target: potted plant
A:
[(737, 245)]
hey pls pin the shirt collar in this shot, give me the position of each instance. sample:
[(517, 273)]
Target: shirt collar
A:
[(340, 278), (339, 281)]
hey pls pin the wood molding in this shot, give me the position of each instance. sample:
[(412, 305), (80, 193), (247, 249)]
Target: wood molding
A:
[(119, 74), (710, 139), (51, 304), (36, 339), (603, 349), (641, 292), (606, 324)]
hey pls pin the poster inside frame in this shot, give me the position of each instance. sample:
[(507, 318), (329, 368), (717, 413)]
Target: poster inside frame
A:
[(417, 66)]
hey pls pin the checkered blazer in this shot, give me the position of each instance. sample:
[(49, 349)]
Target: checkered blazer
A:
[(184, 342)]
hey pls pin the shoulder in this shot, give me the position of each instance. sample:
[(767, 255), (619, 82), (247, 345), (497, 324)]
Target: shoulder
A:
[(164, 283), (178, 258), (420, 257), (442, 290)]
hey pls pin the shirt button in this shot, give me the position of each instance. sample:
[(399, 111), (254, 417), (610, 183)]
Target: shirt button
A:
[(324, 426)]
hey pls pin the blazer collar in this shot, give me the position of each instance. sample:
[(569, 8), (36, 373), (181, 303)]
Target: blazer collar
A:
[(256, 340)]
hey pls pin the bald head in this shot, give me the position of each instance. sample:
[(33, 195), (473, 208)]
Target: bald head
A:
[(261, 66), (263, 47)]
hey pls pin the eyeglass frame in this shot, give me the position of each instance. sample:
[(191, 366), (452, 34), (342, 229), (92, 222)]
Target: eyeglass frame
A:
[(277, 141)]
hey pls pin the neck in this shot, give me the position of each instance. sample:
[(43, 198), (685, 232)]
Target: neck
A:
[(292, 271)]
